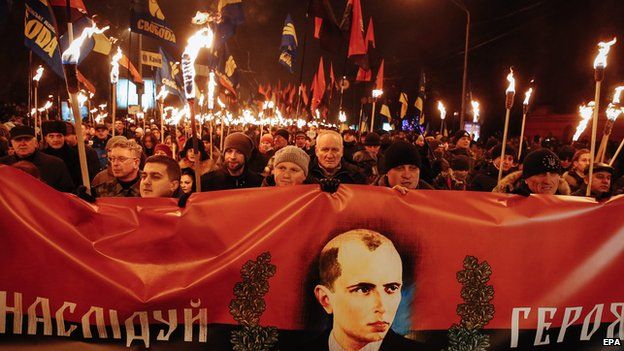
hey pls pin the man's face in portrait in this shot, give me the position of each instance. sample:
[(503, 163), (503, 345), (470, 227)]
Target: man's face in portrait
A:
[(364, 298)]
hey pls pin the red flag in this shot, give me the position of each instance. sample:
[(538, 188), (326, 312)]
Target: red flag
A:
[(380, 76), (319, 86), (261, 90), (332, 78), (304, 94), (318, 23), (370, 34), (364, 75), (357, 45)]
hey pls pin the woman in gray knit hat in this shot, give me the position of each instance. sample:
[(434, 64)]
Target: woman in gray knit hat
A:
[(291, 168)]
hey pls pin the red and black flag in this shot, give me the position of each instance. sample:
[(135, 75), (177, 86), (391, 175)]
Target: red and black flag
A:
[(326, 26)]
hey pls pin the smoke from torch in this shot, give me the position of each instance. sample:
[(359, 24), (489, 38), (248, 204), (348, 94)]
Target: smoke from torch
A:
[(37, 76)]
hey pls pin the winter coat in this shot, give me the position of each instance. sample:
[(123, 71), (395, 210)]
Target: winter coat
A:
[(486, 179), (114, 188), (515, 184), (373, 166), (574, 180), (347, 174), (52, 169), (222, 180), (445, 181)]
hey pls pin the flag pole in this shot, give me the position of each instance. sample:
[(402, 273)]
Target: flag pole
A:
[(303, 52)]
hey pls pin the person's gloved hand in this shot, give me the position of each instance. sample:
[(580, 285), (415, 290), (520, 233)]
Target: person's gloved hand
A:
[(83, 194), (183, 199), (329, 185)]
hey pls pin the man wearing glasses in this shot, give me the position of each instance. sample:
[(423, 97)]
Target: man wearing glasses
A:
[(124, 158)]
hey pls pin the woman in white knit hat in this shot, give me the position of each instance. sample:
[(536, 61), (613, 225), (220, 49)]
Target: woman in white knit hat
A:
[(290, 167)]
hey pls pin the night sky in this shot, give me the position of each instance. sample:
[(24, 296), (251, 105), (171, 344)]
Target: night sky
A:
[(552, 41)]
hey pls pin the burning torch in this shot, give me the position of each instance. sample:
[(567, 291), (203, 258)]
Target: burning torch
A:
[(376, 94), (525, 112), (600, 64), (70, 62), (509, 101), (160, 98), (614, 110), (114, 77), (442, 110), (36, 79), (201, 39)]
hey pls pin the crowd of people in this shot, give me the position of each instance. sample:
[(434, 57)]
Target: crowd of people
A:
[(124, 160)]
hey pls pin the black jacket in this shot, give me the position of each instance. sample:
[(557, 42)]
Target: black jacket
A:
[(222, 180), (53, 170), (486, 179), (391, 342), (347, 174)]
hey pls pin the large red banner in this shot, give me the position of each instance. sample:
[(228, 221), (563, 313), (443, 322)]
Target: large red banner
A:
[(240, 269)]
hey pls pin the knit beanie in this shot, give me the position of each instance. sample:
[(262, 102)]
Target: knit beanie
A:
[(293, 154), (283, 133), (401, 153), (372, 139), (540, 161), (164, 148), (240, 142), (496, 151), (460, 134)]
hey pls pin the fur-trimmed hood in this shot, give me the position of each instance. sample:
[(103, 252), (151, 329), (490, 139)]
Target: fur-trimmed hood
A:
[(513, 182)]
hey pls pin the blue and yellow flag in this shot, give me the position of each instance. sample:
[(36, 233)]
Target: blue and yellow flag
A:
[(40, 34), (148, 18), (232, 16), (289, 44), (170, 75)]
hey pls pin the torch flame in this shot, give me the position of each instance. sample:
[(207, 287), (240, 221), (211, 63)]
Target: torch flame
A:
[(377, 93), (37, 76), (603, 50), (616, 96), (527, 96), (511, 89), (82, 98), (203, 38), (475, 111), (72, 54), (212, 85), (613, 112), (342, 117), (442, 110), (201, 18), (162, 94), (45, 107), (220, 103), (586, 112), (114, 74)]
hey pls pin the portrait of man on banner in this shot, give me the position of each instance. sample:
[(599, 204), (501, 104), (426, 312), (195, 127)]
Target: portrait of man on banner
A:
[(360, 283)]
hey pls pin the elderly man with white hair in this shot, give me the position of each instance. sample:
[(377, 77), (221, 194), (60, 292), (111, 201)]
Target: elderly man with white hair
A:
[(329, 163)]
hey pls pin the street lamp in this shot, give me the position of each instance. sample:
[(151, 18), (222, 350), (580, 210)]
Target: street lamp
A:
[(462, 6)]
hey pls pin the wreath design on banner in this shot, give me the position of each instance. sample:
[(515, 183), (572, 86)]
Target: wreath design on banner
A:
[(476, 311), (249, 305)]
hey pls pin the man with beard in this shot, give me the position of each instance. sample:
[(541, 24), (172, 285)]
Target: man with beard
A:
[(575, 176), (360, 281), (124, 158), (234, 173), (329, 162), (52, 169), (487, 177)]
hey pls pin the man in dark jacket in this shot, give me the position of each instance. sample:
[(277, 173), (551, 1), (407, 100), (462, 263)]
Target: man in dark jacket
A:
[(99, 143), (52, 169), (487, 178), (234, 173), (329, 163), (371, 160), (403, 164), (71, 139)]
